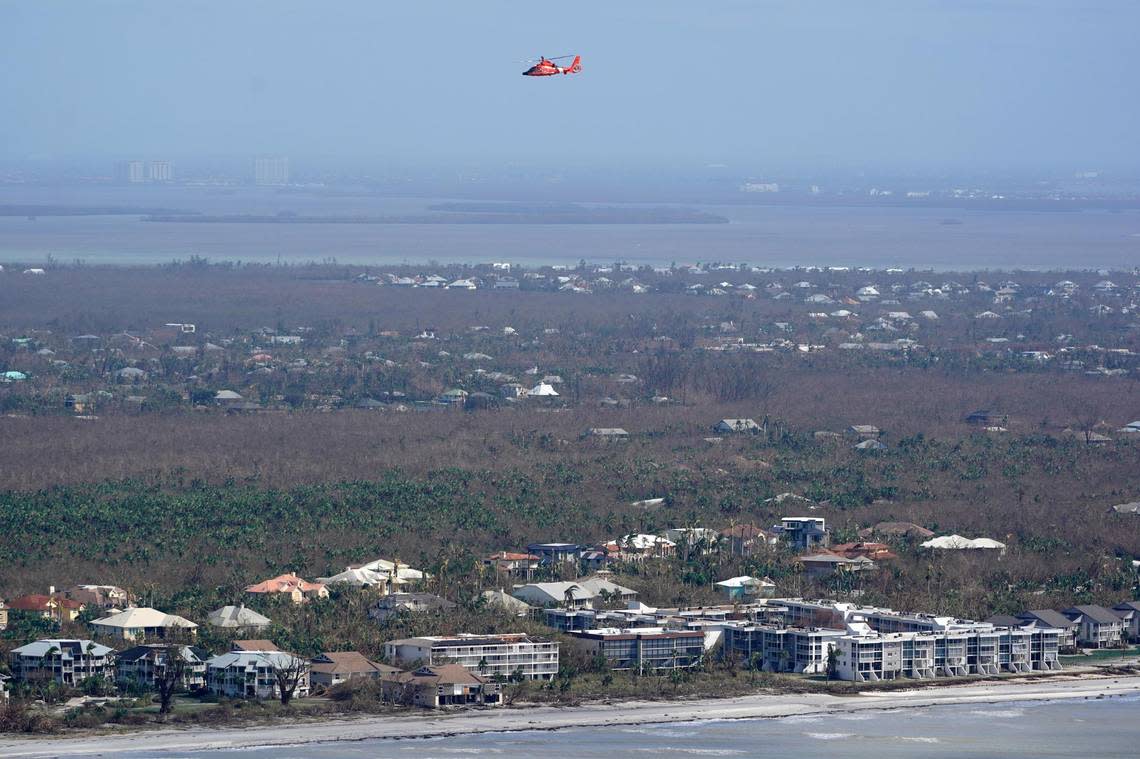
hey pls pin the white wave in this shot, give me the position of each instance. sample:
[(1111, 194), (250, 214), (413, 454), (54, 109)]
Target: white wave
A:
[(855, 717), (830, 736), (999, 713), (919, 739), (688, 750)]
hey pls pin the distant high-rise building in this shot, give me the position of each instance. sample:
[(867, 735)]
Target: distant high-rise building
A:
[(271, 171), (160, 171), (130, 172)]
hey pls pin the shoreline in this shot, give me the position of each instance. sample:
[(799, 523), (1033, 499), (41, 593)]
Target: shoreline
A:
[(522, 718)]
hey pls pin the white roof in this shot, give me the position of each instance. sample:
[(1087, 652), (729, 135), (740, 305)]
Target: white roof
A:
[(404, 572), (41, 647), (957, 542), (543, 389), (642, 542), (226, 395), (358, 577), (256, 658), (745, 581), (143, 616), (236, 616)]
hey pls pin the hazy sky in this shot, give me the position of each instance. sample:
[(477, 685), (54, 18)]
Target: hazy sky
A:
[(922, 83)]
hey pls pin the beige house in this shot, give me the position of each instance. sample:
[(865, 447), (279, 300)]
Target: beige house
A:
[(335, 667), (142, 624)]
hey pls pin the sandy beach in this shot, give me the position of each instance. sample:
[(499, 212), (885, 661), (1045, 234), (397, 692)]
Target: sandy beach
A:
[(551, 718)]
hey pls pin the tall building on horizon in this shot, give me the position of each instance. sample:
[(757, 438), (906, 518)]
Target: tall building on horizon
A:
[(130, 172), (160, 171), (271, 171)]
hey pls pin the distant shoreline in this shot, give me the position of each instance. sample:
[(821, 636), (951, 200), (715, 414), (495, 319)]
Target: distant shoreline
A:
[(522, 718)]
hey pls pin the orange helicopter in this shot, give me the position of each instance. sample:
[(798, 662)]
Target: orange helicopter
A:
[(548, 67)]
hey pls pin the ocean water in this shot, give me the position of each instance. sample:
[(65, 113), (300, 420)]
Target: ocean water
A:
[(781, 236), (1102, 728)]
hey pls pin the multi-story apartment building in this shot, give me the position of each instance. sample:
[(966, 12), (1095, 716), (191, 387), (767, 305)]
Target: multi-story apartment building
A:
[(145, 665), (513, 655), (776, 648), (646, 648), (253, 674), (1097, 627), (66, 661)]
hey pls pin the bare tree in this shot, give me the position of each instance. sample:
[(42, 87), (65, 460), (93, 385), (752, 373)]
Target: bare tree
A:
[(169, 674), (290, 672)]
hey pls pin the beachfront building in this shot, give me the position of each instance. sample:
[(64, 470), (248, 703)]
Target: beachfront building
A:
[(442, 685), (146, 665), (515, 655), (334, 667), (1097, 627), (65, 661), (253, 674), (778, 648), (645, 649)]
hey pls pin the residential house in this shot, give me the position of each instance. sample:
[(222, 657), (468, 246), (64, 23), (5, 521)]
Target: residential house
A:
[(65, 661), (827, 563), (334, 667), (520, 565), (517, 656), (606, 433), (408, 603), (747, 539), (1067, 628), (3, 615), (4, 680), (253, 644), (733, 426), (140, 624), (896, 530), (254, 674), (100, 596), (297, 589), (803, 533), (645, 648), (987, 418), (745, 588), (1097, 627), (868, 431), (553, 554), (1129, 613), (503, 601), (567, 595), (237, 618), (146, 665), (432, 687), (872, 551), (53, 607), (638, 547)]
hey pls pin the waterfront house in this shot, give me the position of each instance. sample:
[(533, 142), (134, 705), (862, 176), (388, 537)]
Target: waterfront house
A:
[(645, 649), (513, 655), (1129, 613), (1097, 627), (65, 661), (432, 687), (254, 674), (146, 665), (1067, 628), (334, 667)]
